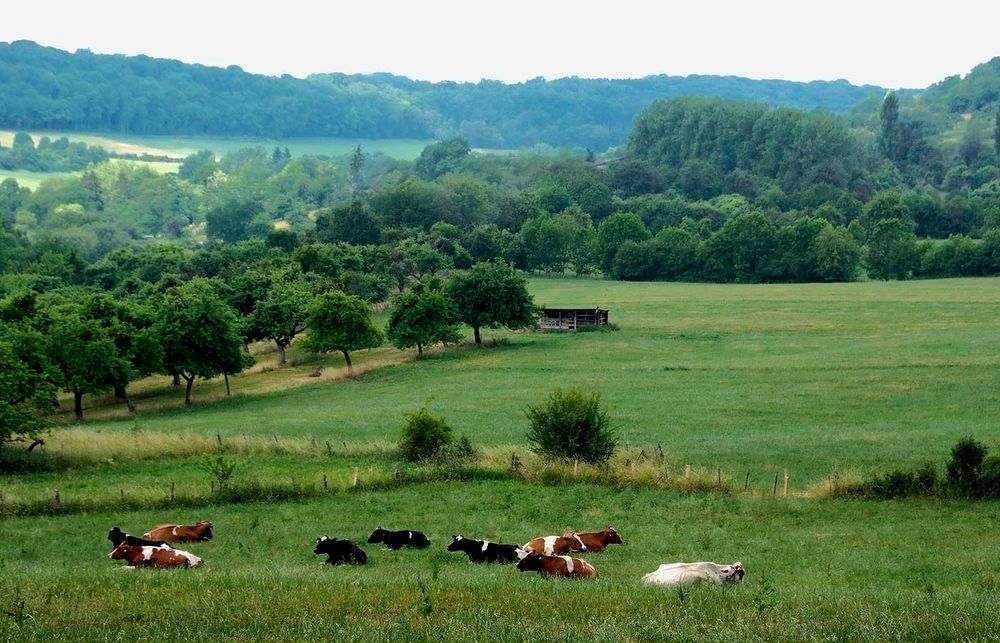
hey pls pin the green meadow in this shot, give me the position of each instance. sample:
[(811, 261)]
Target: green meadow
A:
[(744, 382)]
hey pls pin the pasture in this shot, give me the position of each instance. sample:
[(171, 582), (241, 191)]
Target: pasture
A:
[(816, 570), (848, 378)]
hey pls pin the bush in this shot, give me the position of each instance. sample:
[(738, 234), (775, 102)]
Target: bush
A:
[(900, 483), (966, 466), (990, 479), (572, 426), (424, 436)]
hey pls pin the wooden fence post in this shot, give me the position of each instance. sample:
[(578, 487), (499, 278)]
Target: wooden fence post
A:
[(213, 487), (329, 449), (57, 497), (171, 491), (746, 483), (718, 477), (324, 479), (774, 491), (785, 492), (355, 477), (123, 493)]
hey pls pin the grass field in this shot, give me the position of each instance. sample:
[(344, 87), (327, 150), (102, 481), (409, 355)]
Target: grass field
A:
[(181, 146), (816, 570), (854, 378), (31, 179)]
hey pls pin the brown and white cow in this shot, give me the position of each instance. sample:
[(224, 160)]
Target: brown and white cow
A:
[(189, 533), (690, 573), (555, 545), (146, 556), (596, 541), (555, 565)]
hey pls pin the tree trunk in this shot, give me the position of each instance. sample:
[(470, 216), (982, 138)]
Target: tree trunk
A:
[(420, 349), (347, 358), (281, 354), (120, 393), (128, 400), (177, 379), (475, 332), (187, 390), (78, 404), (226, 375), (246, 347)]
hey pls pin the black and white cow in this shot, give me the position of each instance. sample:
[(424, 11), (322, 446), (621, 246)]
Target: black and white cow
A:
[(396, 539), (339, 551), (117, 537), (483, 551)]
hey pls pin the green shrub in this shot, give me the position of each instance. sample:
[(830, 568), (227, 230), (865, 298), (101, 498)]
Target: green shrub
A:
[(990, 479), (424, 436), (966, 466), (572, 426)]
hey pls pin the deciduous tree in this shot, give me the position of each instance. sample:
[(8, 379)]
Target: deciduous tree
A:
[(340, 322)]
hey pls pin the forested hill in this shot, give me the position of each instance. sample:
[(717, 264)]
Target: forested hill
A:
[(49, 89)]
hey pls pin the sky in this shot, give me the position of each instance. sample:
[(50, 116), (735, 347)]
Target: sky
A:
[(888, 43)]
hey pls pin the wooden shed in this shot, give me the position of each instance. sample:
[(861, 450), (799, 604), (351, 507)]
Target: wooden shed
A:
[(572, 318)]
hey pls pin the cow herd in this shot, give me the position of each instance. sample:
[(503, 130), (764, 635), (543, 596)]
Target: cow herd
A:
[(547, 555)]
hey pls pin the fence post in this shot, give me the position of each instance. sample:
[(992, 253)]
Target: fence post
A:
[(171, 491), (57, 497), (324, 479), (355, 477), (718, 477), (774, 491), (218, 436), (123, 493), (329, 449), (213, 487), (687, 471), (746, 483), (785, 492)]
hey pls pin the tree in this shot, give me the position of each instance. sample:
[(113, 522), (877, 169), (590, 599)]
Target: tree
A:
[(492, 294), (26, 391), (281, 314), (352, 223), (892, 250), (613, 232), (340, 322), (357, 172), (835, 254), (421, 316), (442, 157), (996, 136), (199, 334), (235, 221), (199, 167), (889, 135)]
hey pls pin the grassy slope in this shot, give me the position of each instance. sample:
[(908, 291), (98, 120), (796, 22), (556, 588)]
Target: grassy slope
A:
[(853, 377), (816, 570)]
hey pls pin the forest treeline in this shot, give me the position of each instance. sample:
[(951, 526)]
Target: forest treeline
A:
[(49, 89)]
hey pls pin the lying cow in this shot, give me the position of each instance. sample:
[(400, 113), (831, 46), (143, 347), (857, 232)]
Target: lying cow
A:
[(555, 545), (117, 537), (339, 551), (188, 533), (690, 573), (555, 565), (483, 551), (396, 539), (146, 556), (596, 541)]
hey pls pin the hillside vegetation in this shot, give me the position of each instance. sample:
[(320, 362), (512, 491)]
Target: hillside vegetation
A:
[(49, 89)]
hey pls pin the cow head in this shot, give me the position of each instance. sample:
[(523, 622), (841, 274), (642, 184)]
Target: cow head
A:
[(733, 573), (204, 528), (613, 536), (578, 544), (378, 536), (119, 552), (324, 545), (528, 561), (456, 543), (116, 536)]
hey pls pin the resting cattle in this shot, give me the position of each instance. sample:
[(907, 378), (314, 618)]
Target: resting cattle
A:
[(190, 533), (556, 545), (555, 565), (146, 556), (483, 551), (691, 573), (117, 537), (595, 541), (396, 539), (339, 551)]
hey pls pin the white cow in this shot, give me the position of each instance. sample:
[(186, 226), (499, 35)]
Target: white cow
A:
[(671, 574)]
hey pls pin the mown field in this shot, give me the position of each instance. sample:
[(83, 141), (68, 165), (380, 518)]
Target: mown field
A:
[(813, 379)]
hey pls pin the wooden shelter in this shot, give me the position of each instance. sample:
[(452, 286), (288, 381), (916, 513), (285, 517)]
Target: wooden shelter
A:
[(572, 318)]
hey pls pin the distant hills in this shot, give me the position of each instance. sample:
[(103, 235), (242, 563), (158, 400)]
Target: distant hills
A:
[(49, 89)]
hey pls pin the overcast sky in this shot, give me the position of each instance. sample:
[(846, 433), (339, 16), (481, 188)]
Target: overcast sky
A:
[(893, 44)]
